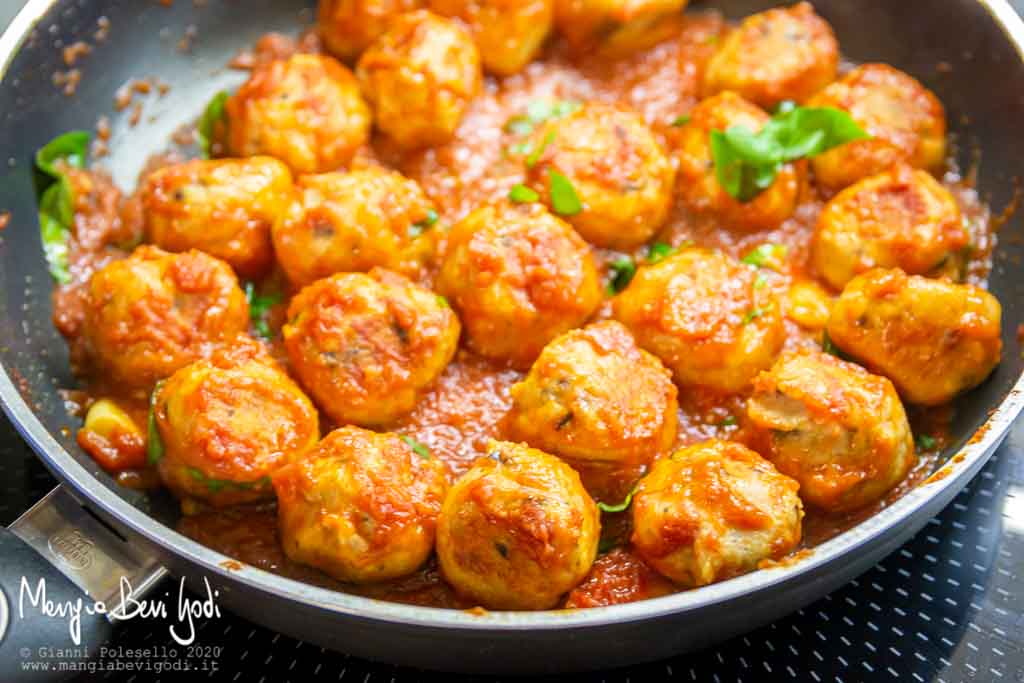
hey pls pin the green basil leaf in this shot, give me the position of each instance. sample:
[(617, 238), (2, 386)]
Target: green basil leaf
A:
[(212, 115), (71, 148), (56, 198), (535, 155), (660, 251), (730, 421), (539, 111), (753, 315), (417, 448), (828, 346), (621, 507), (259, 306), (564, 199), (418, 228), (680, 121), (623, 269), (767, 256), (925, 442), (154, 442), (521, 194)]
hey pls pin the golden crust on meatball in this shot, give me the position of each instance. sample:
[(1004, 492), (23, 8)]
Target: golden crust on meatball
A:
[(306, 111), (588, 24), (365, 345), (594, 396), (223, 207), (152, 313), (902, 218), (713, 511), (420, 76), (697, 182), (229, 422), (620, 173), (905, 120), (706, 317), (360, 506), (353, 221), (932, 338), (518, 530), (519, 277), (782, 54), (347, 27), (834, 427), (508, 33)]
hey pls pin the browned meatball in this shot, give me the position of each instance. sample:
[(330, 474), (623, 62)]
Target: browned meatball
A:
[(306, 111), (905, 120), (153, 313), (519, 277), (361, 506), (706, 317), (365, 345), (518, 530), (223, 207), (508, 33), (618, 171), (933, 339), (834, 427), (587, 24), (352, 222), (420, 76), (782, 54), (713, 511), (347, 27), (594, 396), (228, 423)]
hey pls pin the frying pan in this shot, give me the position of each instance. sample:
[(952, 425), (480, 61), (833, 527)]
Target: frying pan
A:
[(89, 531)]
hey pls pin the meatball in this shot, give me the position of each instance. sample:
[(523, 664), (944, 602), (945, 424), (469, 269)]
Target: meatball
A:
[(306, 111), (932, 338), (519, 277), (587, 24), (361, 506), (518, 530), (905, 120), (352, 222), (154, 312), (706, 316), (420, 76), (834, 427), (347, 27), (781, 54), (594, 396), (229, 422), (713, 511), (902, 218), (620, 174), (698, 184), (365, 345), (508, 33), (223, 207)]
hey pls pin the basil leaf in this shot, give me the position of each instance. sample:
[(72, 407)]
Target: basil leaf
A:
[(417, 448), (259, 306), (539, 111), (753, 315), (680, 121), (521, 194), (56, 198), (746, 163), (212, 115), (154, 442), (621, 507), (767, 256), (730, 421), (417, 228), (535, 155), (828, 346), (623, 269), (564, 199), (660, 251), (925, 442)]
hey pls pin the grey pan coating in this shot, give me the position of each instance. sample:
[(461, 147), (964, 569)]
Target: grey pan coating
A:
[(982, 41)]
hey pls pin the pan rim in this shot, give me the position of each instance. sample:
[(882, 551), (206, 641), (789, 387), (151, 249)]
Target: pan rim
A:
[(67, 469)]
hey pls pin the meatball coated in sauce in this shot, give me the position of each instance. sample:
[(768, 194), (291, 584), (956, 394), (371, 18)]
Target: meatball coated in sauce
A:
[(347, 27), (152, 313), (781, 54), (508, 33), (902, 218), (519, 277), (306, 111), (706, 317), (518, 530), (932, 338), (905, 120), (588, 24), (594, 396), (698, 185), (365, 345), (713, 511), (224, 208), (834, 427), (619, 171), (353, 221), (228, 423), (420, 76), (360, 506)]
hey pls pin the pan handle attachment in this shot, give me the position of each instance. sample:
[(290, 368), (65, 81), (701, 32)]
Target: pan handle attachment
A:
[(65, 577)]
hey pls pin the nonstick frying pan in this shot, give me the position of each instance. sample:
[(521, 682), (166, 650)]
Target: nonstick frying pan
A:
[(970, 52)]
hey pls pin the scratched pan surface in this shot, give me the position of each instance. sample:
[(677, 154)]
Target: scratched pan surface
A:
[(984, 93)]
